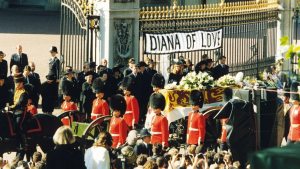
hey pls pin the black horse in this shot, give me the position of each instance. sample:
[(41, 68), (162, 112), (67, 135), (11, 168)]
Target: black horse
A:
[(40, 129)]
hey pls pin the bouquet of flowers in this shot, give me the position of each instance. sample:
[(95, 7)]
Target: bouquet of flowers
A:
[(171, 86), (192, 81), (226, 80)]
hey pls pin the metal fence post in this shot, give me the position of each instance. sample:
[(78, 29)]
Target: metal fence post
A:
[(257, 102)]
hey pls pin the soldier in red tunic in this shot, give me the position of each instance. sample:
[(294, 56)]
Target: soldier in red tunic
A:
[(157, 83), (100, 106), (159, 123), (294, 132), (132, 113), (68, 106), (118, 127), (196, 120)]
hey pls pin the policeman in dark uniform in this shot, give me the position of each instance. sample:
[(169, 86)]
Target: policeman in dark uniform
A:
[(54, 64), (19, 107)]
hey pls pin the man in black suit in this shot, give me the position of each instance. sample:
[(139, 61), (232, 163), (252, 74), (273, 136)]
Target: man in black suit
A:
[(144, 147), (131, 64), (221, 69), (36, 83), (54, 64), (145, 89), (20, 59)]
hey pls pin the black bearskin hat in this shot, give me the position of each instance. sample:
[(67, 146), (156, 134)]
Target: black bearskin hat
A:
[(294, 88), (117, 102), (98, 86), (158, 81), (196, 98), (157, 101), (127, 83), (228, 94)]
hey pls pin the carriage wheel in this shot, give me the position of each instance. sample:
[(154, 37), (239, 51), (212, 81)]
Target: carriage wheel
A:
[(77, 116), (93, 129)]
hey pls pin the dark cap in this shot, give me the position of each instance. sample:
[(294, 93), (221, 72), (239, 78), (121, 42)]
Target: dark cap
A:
[(51, 77), (142, 64), (144, 133), (69, 71), (92, 64), (209, 61), (53, 49)]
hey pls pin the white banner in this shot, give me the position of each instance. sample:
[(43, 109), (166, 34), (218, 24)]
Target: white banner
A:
[(183, 41)]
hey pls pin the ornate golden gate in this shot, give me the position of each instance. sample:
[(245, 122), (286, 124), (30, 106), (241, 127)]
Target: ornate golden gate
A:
[(249, 31)]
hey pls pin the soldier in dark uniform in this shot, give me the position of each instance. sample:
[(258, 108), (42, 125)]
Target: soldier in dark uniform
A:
[(87, 94), (19, 107), (49, 94), (54, 64), (3, 92)]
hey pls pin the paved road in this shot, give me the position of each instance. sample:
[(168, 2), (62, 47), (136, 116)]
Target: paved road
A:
[(36, 31)]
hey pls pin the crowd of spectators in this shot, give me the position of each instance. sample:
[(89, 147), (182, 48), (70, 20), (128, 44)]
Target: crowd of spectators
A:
[(67, 155)]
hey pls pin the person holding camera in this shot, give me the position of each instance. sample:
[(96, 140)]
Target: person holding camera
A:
[(196, 120)]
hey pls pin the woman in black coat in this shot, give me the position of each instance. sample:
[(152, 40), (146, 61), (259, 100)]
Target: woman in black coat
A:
[(65, 155), (3, 64), (49, 93)]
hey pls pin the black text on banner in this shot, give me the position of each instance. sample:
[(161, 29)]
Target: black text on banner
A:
[(183, 42)]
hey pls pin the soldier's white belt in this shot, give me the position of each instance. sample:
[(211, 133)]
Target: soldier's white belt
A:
[(155, 133), (128, 112), (193, 129), (115, 135)]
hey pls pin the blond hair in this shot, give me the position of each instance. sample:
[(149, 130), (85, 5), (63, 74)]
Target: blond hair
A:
[(63, 135)]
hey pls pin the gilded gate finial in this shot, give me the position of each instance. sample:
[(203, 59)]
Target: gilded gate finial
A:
[(175, 5)]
